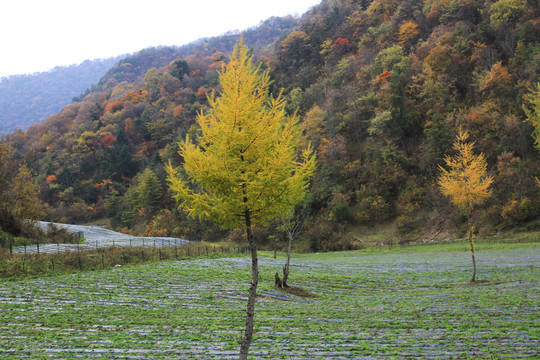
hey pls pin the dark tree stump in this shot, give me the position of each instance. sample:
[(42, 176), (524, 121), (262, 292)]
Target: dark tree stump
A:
[(279, 282), (285, 275)]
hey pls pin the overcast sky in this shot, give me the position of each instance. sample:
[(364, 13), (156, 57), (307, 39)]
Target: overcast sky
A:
[(37, 35)]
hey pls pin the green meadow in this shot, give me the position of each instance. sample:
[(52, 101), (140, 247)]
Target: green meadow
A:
[(402, 303)]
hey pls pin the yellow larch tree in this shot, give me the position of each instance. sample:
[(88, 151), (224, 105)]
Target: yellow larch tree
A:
[(466, 183), (244, 169), (408, 31), (25, 202)]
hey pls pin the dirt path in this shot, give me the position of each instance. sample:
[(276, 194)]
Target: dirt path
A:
[(97, 237)]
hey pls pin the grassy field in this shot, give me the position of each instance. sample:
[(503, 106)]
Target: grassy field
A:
[(410, 303)]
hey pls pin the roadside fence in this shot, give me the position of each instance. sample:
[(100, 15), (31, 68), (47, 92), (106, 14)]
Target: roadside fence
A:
[(31, 260), (35, 247)]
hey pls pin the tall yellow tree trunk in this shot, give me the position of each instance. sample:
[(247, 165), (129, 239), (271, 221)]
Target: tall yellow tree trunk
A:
[(471, 243)]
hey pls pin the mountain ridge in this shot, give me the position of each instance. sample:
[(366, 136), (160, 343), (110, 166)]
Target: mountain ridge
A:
[(31, 98)]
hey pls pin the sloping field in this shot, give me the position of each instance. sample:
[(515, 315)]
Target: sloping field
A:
[(397, 305)]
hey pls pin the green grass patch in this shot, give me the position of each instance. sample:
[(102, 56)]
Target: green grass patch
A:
[(498, 242)]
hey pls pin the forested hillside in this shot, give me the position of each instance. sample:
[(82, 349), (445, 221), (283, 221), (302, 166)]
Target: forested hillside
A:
[(30, 99), (132, 69), (381, 88)]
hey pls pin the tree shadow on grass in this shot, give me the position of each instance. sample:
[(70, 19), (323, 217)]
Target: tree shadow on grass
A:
[(475, 283), (298, 291)]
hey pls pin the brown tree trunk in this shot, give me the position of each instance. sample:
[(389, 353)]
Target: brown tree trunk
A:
[(282, 283), (248, 335), (279, 282), (471, 243), (285, 275)]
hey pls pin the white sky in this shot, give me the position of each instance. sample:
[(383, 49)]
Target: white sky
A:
[(37, 35)]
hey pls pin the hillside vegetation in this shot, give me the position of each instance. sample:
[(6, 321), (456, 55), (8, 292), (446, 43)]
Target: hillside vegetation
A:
[(381, 88)]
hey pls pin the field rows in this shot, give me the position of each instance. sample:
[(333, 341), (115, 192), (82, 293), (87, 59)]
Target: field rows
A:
[(370, 307)]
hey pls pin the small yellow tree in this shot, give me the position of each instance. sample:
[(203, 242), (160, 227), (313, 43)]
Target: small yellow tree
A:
[(408, 31), (244, 169), (25, 202), (466, 182)]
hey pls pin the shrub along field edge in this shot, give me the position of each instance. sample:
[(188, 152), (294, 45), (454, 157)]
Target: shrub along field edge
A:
[(17, 266)]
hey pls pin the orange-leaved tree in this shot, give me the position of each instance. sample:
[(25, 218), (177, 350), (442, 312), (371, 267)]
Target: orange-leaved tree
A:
[(244, 169), (466, 182)]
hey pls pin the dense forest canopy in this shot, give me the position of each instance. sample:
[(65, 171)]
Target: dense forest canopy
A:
[(381, 87)]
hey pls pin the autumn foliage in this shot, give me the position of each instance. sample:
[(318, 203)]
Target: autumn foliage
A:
[(341, 42), (384, 76), (465, 181), (408, 31), (380, 88), (50, 179), (178, 110), (114, 106), (107, 140)]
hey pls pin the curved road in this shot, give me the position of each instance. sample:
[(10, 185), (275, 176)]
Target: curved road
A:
[(97, 237)]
